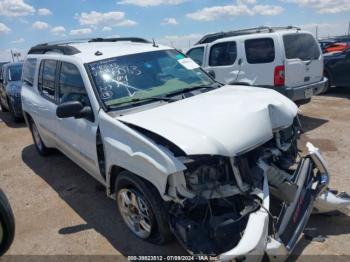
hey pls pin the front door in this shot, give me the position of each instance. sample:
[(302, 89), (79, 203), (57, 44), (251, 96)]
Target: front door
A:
[(76, 137)]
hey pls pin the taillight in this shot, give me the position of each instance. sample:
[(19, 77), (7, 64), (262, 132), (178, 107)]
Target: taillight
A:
[(279, 76)]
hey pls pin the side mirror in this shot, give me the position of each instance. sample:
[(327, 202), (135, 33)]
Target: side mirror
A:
[(75, 109)]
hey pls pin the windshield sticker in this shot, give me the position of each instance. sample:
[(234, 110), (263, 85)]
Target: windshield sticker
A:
[(180, 56), (188, 63)]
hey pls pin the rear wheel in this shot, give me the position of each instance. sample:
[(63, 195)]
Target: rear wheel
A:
[(3, 108), (15, 118), (329, 84), (38, 142), (142, 209)]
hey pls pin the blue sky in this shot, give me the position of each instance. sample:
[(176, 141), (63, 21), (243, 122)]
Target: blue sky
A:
[(24, 23)]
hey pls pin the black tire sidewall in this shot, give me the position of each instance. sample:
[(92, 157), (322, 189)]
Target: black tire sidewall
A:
[(160, 229), (44, 151), (7, 221)]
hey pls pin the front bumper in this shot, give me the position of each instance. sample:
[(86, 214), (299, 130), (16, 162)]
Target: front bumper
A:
[(306, 91), (16, 104), (293, 217)]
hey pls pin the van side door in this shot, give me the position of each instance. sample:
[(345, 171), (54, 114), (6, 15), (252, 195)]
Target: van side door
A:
[(260, 60), (221, 61)]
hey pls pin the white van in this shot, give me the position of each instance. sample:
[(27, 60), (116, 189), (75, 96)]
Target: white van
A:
[(285, 59)]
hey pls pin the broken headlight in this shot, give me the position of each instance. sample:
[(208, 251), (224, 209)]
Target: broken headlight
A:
[(207, 172)]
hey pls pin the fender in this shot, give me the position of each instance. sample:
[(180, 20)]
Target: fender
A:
[(132, 151)]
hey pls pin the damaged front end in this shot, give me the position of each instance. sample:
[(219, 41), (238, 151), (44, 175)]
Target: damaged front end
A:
[(244, 205)]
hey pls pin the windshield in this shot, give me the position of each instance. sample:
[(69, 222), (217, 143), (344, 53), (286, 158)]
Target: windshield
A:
[(15, 73), (145, 75), (302, 46)]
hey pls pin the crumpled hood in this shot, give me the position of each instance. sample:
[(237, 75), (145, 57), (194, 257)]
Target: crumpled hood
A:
[(225, 121)]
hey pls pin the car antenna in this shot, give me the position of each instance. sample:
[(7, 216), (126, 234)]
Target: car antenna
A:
[(154, 43)]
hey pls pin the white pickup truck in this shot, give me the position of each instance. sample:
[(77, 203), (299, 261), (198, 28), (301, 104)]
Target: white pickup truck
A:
[(180, 153)]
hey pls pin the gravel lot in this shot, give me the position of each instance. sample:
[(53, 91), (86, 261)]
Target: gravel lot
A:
[(61, 210)]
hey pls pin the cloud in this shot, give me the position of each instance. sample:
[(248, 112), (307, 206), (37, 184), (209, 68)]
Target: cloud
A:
[(242, 7), (106, 28), (169, 21), (323, 6), (39, 25), (95, 18), (58, 30), (44, 11), (151, 2), (82, 31), (18, 41), (13, 8), (4, 29)]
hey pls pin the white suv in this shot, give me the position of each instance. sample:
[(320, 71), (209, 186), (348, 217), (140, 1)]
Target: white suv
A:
[(285, 59), (180, 153)]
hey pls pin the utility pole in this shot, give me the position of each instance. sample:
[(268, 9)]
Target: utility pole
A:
[(12, 56), (349, 32), (317, 32)]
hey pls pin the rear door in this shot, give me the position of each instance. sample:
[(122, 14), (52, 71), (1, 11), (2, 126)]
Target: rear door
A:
[(303, 59), (221, 61)]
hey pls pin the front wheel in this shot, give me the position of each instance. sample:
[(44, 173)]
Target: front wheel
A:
[(38, 142), (142, 209), (7, 224)]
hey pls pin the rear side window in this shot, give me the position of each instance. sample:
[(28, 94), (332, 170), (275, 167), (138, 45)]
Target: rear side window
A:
[(197, 55), (71, 85), (260, 51), (223, 54), (302, 46), (29, 71), (47, 78)]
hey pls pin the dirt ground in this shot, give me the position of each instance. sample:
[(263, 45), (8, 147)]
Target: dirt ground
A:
[(61, 210)]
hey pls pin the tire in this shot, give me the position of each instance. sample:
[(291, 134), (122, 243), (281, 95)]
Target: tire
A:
[(329, 84), (7, 224), (154, 215), (3, 109), (15, 118), (38, 142)]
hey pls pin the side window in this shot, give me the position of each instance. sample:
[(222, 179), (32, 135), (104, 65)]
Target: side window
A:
[(260, 51), (223, 54), (29, 71), (71, 85), (197, 55), (47, 78)]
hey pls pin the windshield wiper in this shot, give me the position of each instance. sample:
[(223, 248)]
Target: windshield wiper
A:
[(149, 99), (193, 88)]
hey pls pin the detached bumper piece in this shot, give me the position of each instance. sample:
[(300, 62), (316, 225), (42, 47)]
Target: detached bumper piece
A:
[(312, 178)]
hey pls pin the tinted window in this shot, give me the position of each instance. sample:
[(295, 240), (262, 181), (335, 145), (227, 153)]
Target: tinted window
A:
[(28, 71), (302, 46), (197, 55), (223, 54), (47, 78), (14, 73), (259, 51), (71, 85)]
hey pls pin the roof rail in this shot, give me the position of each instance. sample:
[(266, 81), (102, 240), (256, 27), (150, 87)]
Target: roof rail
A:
[(44, 48), (120, 39), (261, 29)]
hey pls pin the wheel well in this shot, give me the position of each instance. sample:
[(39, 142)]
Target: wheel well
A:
[(114, 172), (328, 74), (27, 118)]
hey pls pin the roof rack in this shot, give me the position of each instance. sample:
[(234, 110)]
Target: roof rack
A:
[(64, 47), (120, 39), (44, 48), (262, 29)]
